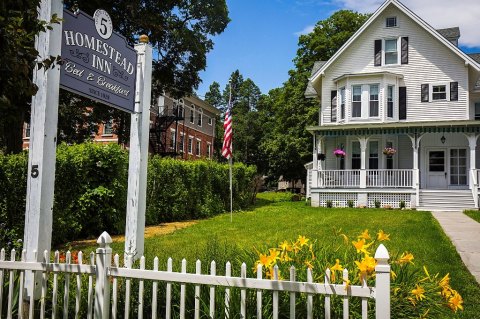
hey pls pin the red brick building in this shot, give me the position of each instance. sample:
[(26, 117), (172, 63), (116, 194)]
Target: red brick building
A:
[(183, 128)]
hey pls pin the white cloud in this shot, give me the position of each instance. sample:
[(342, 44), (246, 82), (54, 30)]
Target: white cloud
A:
[(308, 29), (438, 13)]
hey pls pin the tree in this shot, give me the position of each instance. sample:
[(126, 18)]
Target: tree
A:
[(289, 146), (18, 27), (180, 31), (215, 99)]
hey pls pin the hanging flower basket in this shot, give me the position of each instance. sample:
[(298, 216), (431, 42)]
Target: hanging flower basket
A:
[(321, 156), (389, 151), (339, 153)]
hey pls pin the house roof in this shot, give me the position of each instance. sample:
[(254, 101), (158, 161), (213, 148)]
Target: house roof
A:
[(475, 56), (310, 91), (450, 33), (415, 18), (368, 74)]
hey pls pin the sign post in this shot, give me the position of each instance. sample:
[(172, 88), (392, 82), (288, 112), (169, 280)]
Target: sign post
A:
[(138, 157), (43, 142)]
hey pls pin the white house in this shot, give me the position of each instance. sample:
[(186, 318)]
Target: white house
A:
[(397, 83)]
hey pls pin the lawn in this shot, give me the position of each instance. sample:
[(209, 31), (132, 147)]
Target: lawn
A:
[(274, 219), (474, 214)]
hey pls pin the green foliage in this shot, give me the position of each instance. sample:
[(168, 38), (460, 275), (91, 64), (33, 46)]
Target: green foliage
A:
[(329, 204), (402, 204), (350, 203), (377, 204), (195, 189), (474, 214), (91, 191)]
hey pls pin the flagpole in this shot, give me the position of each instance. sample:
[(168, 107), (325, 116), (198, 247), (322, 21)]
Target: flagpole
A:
[(231, 191)]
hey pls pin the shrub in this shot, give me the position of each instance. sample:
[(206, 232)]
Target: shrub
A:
[(350, 203), (91, 191), (329, 203), (402, 204), (377, 204)]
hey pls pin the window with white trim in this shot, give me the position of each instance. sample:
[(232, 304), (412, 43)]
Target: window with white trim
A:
[(390, 96), (192, 114), (391, 22), (373, 155), (357, 101), (477, 111), (439, 92), (190, 145), (391, 51), (199, 117), (172, 138), (210, 121), (209, 150), (198, 148), (27, 129), (181, 143), (373, 103), (356, 155), (108, 127), (342, 103)]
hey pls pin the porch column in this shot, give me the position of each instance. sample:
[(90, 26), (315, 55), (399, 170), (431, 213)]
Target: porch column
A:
[(363, 158), (472, 143), (415, 138), (315, 181)]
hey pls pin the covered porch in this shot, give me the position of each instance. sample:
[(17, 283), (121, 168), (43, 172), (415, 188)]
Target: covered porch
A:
[(392, 161)]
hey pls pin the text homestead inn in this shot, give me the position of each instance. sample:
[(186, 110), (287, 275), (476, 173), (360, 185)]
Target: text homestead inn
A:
[(398, 120)]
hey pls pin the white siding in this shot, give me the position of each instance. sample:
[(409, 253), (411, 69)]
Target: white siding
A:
[(430, 61), (405, 152)]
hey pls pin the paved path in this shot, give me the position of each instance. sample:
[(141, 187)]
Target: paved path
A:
[(465, 235)]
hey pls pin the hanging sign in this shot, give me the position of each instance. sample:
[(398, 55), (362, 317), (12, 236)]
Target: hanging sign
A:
[(97, 62)]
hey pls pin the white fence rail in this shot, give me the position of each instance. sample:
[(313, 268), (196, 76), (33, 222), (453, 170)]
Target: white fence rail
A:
[(393, 178), (219, 292), (339, 178), (375, 178)]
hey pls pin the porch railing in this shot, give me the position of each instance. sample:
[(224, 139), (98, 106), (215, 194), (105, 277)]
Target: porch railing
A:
[(392, 178), (381, 178), (339, 178)]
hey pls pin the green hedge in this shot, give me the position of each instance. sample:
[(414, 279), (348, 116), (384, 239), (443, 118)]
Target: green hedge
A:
[(91, 191)]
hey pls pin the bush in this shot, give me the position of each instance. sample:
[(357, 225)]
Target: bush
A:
[(91, 191), (377, 204), (329, 204), (350, 203)]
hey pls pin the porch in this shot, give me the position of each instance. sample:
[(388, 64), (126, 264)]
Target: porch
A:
[(433, 157)]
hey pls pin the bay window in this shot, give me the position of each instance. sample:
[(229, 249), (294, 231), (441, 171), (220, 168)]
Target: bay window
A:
[(356, 101), (373, 100), (390, 90), (342, 103)]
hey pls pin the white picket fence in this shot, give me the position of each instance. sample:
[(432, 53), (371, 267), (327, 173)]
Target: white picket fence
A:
[(103, 288)]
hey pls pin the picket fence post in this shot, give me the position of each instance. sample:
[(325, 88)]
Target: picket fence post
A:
[(102, 283), (382, 284)]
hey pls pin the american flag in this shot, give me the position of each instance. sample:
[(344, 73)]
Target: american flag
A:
[(227, 137)]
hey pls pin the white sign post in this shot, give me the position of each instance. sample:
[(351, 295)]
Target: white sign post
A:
[(43, 141), (138, 157)]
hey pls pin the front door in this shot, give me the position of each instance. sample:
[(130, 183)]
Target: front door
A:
[(437, 169)]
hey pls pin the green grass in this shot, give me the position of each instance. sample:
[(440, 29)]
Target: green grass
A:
[(273, 220), (474, 214)]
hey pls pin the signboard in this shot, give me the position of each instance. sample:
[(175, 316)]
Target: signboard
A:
[(98, 63)]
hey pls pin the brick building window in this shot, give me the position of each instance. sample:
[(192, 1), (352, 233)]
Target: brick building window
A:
[(198, 148)]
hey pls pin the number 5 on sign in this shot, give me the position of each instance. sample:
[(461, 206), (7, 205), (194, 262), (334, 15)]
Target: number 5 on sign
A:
[(35, 171)]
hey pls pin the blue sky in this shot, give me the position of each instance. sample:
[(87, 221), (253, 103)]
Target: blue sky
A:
[(261, 40)]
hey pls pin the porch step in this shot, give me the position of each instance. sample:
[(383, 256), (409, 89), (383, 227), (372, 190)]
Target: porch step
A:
[(448, 200)]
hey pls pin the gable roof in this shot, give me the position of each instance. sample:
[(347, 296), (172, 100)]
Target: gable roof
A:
[(450, 33), (310, 91), (415, 18), (475, 56)]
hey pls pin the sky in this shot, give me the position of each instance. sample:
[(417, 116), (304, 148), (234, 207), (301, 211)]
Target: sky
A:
[(261, 40)]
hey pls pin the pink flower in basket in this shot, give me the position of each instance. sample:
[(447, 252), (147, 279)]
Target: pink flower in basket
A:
[(339, 153), (389, 151)]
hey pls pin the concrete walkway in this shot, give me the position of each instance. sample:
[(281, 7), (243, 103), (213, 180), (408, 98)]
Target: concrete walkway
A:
[(465, 235)]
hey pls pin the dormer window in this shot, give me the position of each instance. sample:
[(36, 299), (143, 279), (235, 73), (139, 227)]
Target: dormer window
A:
[(391, 22), (390, 51)]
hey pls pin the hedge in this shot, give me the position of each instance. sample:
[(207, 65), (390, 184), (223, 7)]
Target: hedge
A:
[(91, 191)]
